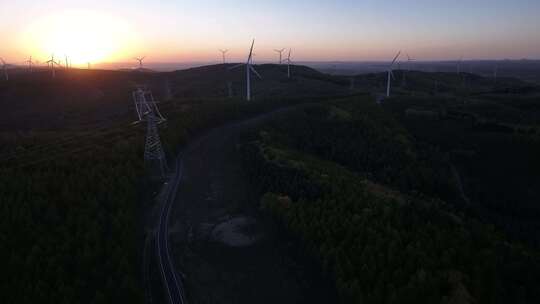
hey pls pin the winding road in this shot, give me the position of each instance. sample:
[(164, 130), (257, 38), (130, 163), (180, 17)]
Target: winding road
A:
[(173, 285), (204, 188)]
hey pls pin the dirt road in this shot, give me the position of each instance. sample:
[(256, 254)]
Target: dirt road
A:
[(223, 247)]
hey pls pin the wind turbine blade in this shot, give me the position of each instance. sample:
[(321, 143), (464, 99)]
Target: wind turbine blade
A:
[(251, 50), (237, 66), (395, 58), (255, 72), (392, 74)]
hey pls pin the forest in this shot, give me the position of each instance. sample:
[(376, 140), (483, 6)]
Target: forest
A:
[(428, 197), (71, 202), (492, 144), (381, 211)]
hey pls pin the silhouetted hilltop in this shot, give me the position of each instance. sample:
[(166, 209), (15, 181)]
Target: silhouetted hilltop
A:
[(37, 100), (212, 81), (89, 97)]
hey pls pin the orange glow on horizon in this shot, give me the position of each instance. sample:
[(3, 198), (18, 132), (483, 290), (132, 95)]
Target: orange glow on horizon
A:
[(83, 36)]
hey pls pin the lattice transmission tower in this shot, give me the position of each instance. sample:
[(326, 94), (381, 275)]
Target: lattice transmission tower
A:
[(147, 110)]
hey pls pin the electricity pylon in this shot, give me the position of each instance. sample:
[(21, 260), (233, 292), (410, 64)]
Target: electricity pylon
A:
[(153, 150), (147, 110)]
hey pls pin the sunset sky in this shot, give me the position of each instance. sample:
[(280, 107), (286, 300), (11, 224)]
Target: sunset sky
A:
[(188, 30)]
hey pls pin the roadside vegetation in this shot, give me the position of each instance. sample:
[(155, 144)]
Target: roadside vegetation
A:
[(71, 203), (380, 211)]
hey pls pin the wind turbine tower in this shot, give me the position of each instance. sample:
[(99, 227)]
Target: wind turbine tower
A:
[(140, 60), (223, 53), (391, 74), (409, 62), (458, 66), (4, 68), (280, 54), (249, 70), (51, 64), (288, 60), (30, 64)]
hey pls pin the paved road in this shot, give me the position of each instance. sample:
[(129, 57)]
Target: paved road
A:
[(174, 290)]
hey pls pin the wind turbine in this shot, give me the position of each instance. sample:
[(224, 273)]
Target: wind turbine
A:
[(4, 67), (249, 70), (288, 60), (51, 63), (458, 67), (140, 60), (409, 60), (391, 74), (29, 61), (67, 62), (223, 52), (280, 53)]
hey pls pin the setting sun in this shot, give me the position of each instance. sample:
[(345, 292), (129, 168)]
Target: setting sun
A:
[(83, 36)]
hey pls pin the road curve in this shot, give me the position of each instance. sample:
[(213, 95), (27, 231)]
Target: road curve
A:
[(172, 282), (174, 289)]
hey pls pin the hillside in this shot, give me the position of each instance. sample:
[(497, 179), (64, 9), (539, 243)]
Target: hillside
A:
[(211, 81), (378, 210), (429, 196), (89, 97)]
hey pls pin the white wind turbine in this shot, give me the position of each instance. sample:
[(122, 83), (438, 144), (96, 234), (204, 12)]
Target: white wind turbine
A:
[(288, 60), (249, 70), (280, 54), (409, 61), (30, 63), (4, 67), (140, 60), (391, 74), (51, 64), (458, 66), (223, 53)]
